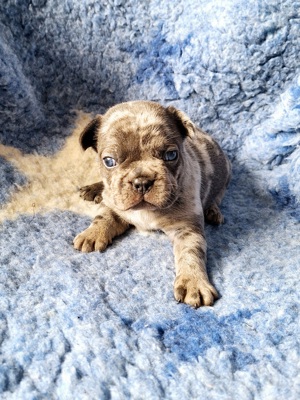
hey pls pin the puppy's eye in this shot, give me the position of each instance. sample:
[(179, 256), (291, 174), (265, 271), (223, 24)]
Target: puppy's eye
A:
[(171, 155), (109, 162)]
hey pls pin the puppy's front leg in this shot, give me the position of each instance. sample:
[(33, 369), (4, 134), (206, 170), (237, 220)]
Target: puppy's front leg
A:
[(92, 192), (100, 233), (191, 284)]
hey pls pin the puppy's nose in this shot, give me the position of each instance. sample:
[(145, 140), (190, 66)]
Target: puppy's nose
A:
[(142, 184)]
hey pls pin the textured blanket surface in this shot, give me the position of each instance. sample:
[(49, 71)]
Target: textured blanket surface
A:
[(105, 325)]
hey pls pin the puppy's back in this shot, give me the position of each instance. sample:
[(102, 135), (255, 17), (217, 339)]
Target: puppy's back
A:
[(215, 168)]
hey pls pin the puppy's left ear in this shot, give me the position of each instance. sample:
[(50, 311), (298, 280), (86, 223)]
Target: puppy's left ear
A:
[(183, 122), (89, 136)]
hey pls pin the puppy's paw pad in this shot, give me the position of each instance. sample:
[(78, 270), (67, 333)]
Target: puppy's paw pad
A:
[(194, 292), (89, 240)]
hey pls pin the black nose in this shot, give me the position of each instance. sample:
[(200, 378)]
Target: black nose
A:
[(142, 184)]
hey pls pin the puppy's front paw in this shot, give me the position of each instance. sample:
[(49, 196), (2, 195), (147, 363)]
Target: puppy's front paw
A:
[(194, 291), (92, 192), (90, 240)]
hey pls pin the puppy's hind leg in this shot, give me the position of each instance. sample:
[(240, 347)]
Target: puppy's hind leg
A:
[(213, 215), (92, 192)]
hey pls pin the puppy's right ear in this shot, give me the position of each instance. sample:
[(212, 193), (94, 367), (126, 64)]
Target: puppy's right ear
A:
[(89, 135), (185, 125)]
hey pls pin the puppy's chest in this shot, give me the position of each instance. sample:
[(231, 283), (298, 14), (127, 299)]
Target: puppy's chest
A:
[(143, 220)]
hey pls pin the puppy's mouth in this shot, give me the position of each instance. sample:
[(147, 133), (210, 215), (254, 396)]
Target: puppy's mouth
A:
[(143, 205), (160, 195)]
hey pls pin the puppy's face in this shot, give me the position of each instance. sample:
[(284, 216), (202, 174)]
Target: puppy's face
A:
[(141, 151)]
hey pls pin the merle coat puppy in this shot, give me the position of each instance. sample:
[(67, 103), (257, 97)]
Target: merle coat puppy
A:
[(158, 171)]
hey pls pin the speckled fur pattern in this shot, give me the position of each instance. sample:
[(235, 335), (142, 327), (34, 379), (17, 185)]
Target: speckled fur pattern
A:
[(145, 189)]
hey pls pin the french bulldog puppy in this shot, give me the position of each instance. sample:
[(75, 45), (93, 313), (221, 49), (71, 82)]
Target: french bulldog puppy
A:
[(158, 171)]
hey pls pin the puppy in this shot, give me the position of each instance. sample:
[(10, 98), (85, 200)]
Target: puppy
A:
[(158, 172)]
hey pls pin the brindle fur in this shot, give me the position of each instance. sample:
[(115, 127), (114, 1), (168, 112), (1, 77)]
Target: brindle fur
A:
[(150, 193)]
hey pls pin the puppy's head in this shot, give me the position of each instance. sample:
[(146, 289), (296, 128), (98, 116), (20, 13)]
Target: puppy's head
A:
[(141, 149)]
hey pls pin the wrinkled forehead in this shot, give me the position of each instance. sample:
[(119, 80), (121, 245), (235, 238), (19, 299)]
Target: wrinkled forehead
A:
[(141, 129)]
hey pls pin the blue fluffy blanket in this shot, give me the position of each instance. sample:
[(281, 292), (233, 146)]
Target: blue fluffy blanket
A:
[(106, 326)]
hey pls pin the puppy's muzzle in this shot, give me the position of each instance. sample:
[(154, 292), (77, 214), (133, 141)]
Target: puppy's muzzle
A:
[(142, 184)]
